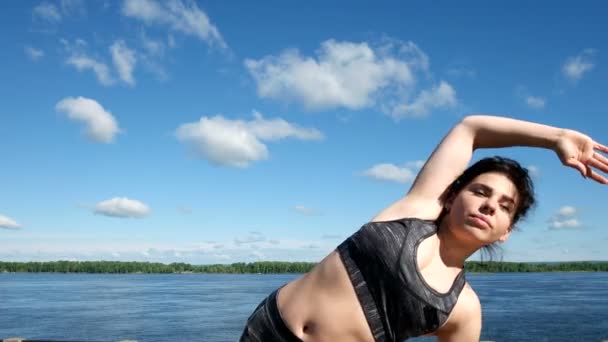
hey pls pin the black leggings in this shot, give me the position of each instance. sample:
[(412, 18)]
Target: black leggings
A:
[(266, 325)]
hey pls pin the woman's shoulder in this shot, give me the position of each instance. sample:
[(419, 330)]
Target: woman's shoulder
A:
[(409, 208)]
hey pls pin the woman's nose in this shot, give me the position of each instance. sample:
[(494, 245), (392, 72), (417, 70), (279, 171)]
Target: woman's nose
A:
[(488, 207)]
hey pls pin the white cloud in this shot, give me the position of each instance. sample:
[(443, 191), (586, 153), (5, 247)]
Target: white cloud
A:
[(410, 53), (45, 247), (534, 170), (258, 255), (344, 74), (238, 143), (153, 52), (441, 96), (570, 223), (101, 126), (416, 164), (73, 7), (83, 62), (305, 210), (223, 141), (277, 129), (535, 102), (151, 46), (353, 76), (33, 53), (8, 223), (122, 207), (124, 60), (565, 218), (250, 238), (48, 12), (390, 172), (185, 18), (566, 211), (575, 67)]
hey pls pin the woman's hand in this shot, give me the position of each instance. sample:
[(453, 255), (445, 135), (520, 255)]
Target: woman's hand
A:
[(579, 151)]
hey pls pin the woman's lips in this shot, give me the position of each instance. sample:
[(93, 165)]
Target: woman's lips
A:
[(479, 222)]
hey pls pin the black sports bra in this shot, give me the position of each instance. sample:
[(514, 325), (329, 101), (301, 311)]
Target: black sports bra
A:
[(380, 259)]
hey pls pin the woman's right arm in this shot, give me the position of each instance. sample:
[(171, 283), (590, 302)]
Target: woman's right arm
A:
[(452, 156)]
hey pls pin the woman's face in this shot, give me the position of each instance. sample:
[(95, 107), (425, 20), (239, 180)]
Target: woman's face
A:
[(483, 210)]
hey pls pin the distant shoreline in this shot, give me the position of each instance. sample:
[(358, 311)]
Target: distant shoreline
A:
[(267, 267)]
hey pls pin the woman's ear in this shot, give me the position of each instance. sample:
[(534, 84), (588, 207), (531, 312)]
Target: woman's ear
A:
[(506, 235), (448, 203)]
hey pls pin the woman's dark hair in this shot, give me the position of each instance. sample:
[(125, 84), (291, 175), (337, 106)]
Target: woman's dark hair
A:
[(508, 167)]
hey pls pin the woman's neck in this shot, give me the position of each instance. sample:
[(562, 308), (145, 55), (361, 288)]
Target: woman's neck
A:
[(452, 250)]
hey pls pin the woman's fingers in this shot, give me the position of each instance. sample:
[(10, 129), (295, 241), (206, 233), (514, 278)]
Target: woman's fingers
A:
[(600, 158), (575, 163), (600, 147), (596, 177), (598, 165)]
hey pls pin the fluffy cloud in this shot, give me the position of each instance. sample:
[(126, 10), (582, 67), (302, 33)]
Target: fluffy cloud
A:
[(124, 60), (182, 17), (344, 74), (33, 53), (351, 75), (100, 124), (564, 218), (575, 67), (83, 62), (535, 102), (8, 223), (569, 223), (238, 143), (566, 211), (391, 172), (122, 207), (441, 96), (48, 12)]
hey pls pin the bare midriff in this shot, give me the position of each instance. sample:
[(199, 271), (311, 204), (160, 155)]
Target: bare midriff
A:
[(322, 305)]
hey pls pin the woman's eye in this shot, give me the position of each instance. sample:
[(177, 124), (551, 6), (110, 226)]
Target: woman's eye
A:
[(506, 208)]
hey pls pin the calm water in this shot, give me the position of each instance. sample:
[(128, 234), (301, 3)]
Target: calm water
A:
[(195, 307)]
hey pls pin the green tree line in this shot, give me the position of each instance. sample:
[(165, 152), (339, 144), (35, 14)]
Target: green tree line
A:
[(267, 267)]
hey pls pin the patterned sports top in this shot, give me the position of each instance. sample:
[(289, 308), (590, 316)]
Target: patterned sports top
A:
[(380, 259)]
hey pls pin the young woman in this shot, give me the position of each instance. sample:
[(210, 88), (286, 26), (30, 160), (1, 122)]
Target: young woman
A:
[(401, 274)]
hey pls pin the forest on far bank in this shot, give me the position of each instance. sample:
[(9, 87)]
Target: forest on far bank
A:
[(268, 267)]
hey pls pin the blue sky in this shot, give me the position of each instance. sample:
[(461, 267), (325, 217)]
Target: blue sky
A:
[(214, 132)]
